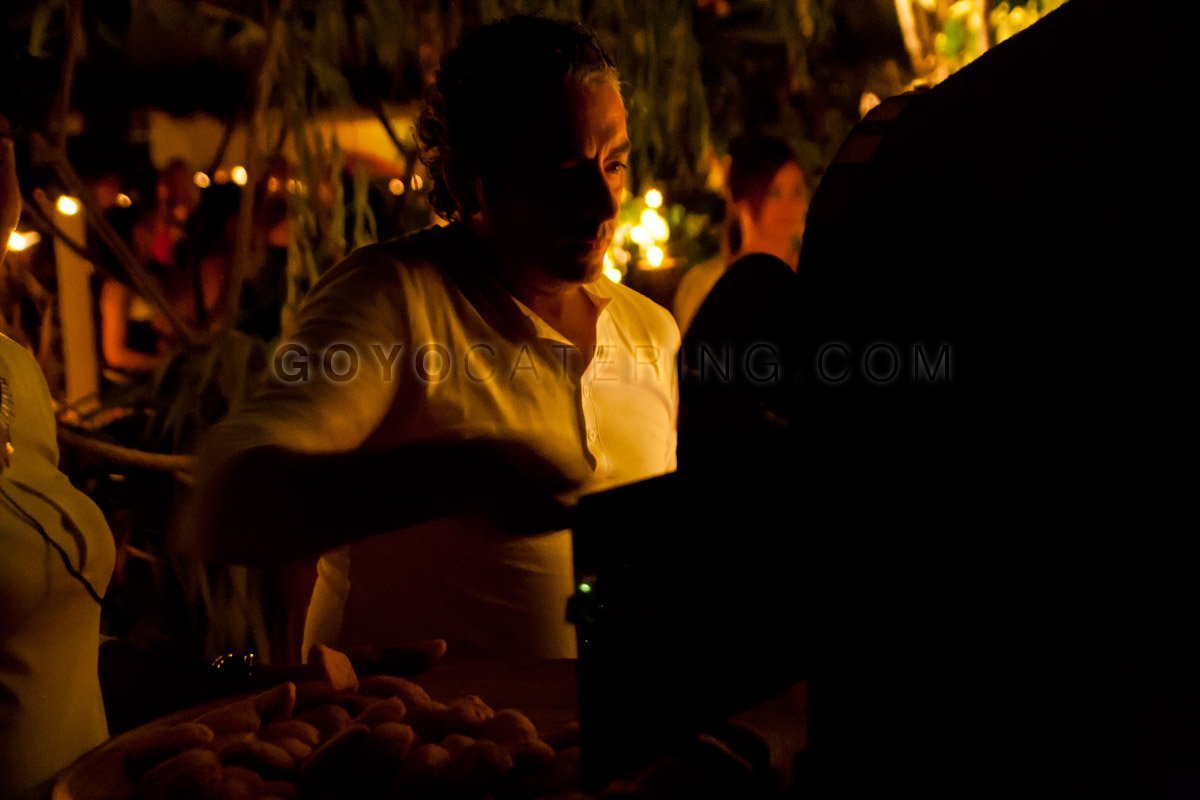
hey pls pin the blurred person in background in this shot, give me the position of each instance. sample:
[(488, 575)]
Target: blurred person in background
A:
[(768, 201), (56, 559), (185, 242), (739, 361)]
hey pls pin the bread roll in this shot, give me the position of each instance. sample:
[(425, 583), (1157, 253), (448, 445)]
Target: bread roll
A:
[(291, 729), (238, 717), (191, 775), (328, 719), (509, 727), (391, 686), (390, 710), (262, 757), (159, 744)]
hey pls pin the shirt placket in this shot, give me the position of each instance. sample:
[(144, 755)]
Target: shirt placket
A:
[(605, 351), (581, 383), (566, 358)]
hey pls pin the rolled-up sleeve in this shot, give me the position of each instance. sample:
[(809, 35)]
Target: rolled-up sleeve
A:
[(328, 384)]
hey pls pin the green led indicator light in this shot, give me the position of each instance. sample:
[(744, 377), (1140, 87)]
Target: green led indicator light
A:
[(585, 587)]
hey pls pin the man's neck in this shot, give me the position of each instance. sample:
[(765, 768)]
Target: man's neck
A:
[(563, 305), (550, 299), (551, 304), (569, 311)]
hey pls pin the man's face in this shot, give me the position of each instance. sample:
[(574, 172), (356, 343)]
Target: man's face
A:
[(551, 209)]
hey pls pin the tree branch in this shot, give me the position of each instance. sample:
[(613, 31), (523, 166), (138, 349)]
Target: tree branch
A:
[(73, 20), (381, 115), (262, 86), (48, 226)]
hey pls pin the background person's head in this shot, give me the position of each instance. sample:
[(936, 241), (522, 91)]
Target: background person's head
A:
[(524, 134), (176, 190), (769, 197)]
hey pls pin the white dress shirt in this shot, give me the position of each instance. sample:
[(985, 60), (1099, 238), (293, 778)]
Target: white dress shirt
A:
[(446, 354), (50, 706)]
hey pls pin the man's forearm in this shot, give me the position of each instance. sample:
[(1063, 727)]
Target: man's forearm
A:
[(269, 504)]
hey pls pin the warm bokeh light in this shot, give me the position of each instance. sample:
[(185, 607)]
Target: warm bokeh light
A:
[(417, 183), (640, 236), (202, 180), (67, 205), (396, 186), (21, 241), (655, 225), (124, 200), (610, 267), (221, 176), (654, 198), (239, 176), (868, 101), (655, 256), (272, 184)]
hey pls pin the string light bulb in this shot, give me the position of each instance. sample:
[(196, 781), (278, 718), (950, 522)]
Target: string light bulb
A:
[(18, 241), (238, 175), (67, 206), (655, 226)]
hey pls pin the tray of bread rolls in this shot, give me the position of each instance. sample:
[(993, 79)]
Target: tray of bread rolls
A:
[(380, 737)]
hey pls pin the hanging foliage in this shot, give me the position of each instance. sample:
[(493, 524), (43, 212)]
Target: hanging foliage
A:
[(696, 73)]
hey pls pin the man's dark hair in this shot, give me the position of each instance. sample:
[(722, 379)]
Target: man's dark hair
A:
[(754, 162), (496, 73)]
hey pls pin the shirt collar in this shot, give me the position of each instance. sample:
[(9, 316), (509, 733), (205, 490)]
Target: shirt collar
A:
[(468, 268), (598, 292)]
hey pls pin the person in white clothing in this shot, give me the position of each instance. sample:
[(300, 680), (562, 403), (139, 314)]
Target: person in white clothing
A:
[(447, 390), (768, 202), (56, 559)]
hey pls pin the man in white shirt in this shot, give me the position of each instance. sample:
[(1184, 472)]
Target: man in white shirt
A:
[(452, 382)]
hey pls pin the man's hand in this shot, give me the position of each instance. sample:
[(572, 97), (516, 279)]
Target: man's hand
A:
[(332, 667), (526, 491), (341, 669), (408, 659)]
